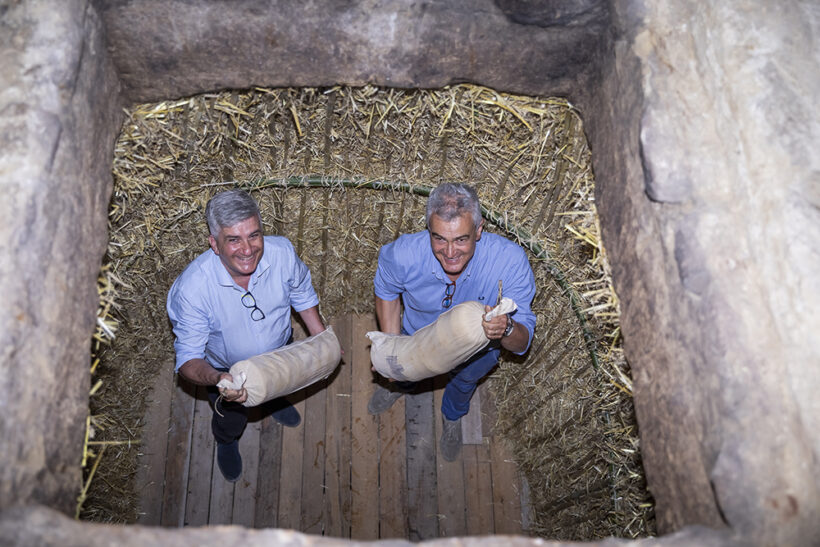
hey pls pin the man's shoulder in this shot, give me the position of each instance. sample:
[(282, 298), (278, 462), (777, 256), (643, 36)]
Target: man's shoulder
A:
[(495, 245), (195, 275), (410, 242), (406, 248)]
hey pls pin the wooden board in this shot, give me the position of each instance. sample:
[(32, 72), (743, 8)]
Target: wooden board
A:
[(450, 483), (421, 464), (392, 472), (201, 462), (266, 512), (151, 463), (478, 483), (313, 460), (220, 510), (364, 476), (244, 495), (506, 493), (179, 451), (290, 478), (337, 438)]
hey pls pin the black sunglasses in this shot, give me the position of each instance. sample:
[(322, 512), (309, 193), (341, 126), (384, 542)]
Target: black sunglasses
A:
[(250, 302), (449, 290)]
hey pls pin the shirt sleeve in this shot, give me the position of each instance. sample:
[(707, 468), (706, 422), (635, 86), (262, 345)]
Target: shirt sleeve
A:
[(519, 284), (191, 326), (387, 282), (302, 295)]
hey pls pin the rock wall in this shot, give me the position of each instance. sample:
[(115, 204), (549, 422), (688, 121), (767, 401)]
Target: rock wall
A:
[(703, 125), (170, 48), (41, 527), (703, 134), (58, 118)]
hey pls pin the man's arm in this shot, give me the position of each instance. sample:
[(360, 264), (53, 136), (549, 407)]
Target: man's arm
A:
[(201, 373), (312, 320), (388, 312), (518, 339)]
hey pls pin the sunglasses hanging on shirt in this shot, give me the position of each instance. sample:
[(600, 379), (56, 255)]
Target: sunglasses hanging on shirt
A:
[(449, 290), (250, 302)]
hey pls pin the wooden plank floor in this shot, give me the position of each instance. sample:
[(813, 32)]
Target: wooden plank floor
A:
[(341, 472)]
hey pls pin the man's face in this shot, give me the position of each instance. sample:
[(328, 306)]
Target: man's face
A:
[(240, 248), (453, 242)]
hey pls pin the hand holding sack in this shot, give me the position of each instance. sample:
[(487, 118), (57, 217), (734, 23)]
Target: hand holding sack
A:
[(287, 369), (437, 348)]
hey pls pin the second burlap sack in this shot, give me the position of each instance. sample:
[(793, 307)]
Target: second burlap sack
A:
[(439, 347), (287, 369)]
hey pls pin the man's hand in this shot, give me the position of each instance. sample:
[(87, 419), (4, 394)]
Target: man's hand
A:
[(232, 395), (494, 330)]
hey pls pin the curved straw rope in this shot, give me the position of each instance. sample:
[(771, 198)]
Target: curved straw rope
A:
[(523, 237)]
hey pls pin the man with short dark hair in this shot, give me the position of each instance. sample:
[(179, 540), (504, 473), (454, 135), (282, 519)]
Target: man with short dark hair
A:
[(452, 262), (233, 302)]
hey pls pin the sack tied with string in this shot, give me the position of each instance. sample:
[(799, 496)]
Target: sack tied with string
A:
[(287, 369), (436, 348)]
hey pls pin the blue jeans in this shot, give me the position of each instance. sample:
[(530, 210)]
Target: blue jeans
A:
[(463, 382)]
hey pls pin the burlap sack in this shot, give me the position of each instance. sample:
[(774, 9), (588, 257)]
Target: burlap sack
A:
[(287, 369), (437, 348)]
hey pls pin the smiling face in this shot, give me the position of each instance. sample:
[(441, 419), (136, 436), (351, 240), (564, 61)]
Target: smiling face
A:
[(240, 248), (453, 242)]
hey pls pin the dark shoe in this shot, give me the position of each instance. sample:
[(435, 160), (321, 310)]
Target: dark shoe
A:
[(229, 460), (450, 442), (287, 415), (382, 399)]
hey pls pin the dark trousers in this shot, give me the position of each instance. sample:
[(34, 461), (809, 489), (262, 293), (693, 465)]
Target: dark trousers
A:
[(231, 424), (228, 427)]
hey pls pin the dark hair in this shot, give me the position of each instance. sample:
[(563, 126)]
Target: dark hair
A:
[(451, 200), (229, 208)]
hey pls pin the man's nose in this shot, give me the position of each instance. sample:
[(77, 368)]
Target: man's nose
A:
[(244, 246)]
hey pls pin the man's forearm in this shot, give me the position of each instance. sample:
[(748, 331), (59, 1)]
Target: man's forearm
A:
[(517, 340), (200, 372), (388, 312), (312, 320)]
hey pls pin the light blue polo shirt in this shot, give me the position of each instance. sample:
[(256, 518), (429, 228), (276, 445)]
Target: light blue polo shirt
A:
[(408, 268), (209, 320)]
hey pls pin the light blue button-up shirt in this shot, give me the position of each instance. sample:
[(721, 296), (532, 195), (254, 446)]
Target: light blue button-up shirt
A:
[(209, 320), (408, 268)]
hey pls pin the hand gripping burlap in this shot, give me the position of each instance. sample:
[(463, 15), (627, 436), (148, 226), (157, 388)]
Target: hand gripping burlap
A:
[(287, 369), (437, 348)]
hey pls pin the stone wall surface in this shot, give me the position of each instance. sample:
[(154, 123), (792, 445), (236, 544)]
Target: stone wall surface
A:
[(704, 140), (42, 527), (703, 127), (58, 104), (170, 48)]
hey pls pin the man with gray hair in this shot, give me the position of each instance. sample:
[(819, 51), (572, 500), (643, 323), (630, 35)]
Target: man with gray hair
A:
[(233, 302), (452, 262)]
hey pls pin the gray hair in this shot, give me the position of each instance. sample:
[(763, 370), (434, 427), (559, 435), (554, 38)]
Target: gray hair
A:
[(229, 208), (451, 200)]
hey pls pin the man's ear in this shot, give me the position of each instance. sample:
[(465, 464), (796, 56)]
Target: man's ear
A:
[(212, 243), (479, 230)]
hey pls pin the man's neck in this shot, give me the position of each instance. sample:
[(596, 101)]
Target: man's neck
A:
[(243, 281)]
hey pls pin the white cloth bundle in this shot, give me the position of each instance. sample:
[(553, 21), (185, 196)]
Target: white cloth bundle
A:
[(287, 369), (437, 348)]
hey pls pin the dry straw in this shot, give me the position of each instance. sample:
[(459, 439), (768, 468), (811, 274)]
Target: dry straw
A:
[(341, 172)]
